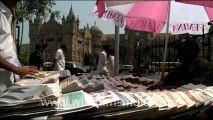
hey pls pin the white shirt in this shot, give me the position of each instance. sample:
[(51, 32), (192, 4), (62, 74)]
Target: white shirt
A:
[(110, 65), (7, 46), (60, 60), (102, 61)]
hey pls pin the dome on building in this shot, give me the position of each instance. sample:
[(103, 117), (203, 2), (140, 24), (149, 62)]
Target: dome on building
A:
[(95, 28)]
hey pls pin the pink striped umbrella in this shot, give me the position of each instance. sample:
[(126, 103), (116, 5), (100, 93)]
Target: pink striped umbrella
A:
[(207, 3), (155, 16), (152, 16)]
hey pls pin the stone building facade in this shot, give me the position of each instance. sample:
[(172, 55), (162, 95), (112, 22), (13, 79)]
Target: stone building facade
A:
[(78, 41)]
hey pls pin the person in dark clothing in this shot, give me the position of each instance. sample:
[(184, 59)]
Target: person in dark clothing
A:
[(36, 57), (192, 69)]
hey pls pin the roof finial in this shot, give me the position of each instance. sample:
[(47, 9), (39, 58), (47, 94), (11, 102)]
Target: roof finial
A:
[(87, 25), (77, 19), (71, 12)]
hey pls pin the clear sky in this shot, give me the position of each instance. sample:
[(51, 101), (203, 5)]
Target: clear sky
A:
[(80, 9)]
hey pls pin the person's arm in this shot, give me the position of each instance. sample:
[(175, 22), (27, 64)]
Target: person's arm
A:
[(17, 70), (167, 81), (204, 73), (7, 66)]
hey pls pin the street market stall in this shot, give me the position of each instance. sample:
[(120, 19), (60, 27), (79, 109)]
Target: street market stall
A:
[(58, 93)]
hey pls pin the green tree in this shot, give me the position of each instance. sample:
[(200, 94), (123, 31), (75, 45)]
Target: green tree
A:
[(88, 59), (24, 58), (26, 9)]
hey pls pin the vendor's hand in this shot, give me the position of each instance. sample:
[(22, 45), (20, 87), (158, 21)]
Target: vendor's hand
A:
[(26, 70), (156, 85)]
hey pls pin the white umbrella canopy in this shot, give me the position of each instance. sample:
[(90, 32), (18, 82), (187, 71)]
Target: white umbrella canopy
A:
[(156, 16), (207, 3), (152, 16)]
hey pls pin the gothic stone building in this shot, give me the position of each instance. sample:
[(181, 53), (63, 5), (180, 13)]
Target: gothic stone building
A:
[(78, 41)]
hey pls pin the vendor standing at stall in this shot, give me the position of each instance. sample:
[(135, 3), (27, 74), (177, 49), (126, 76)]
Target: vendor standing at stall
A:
[(9, 62), (192, 69)]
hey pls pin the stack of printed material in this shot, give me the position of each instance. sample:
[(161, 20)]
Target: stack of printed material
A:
[(140, 105), (200, 92), (126, 99), (75, 83), (44, 74), (97, 85), (73, 102), (203, 95), (107, 101), (44, 79), (40, 74), (180, 104), (16, 99), (71, 84), (63, 73), (88, 86)]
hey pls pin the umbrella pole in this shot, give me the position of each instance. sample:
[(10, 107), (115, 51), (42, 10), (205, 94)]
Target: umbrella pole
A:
[(116, 65), (166, 41)]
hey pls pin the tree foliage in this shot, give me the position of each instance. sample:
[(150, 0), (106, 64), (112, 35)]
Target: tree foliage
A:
[(26, 9), (24, 58), (88, 59)]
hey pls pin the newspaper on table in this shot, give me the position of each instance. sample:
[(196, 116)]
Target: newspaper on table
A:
[(71, 84), (194, 98), (126, 99), (190, 86), (16, 95), (75, 101), (141, 103), (106, 98), (181, 105), (84, 81), (160, 102), (170, 103), (201, 96), (44, 79), (190, 103), (64, 74)]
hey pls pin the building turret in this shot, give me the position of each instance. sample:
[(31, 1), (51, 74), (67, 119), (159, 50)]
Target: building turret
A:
[(52, 16), (71, 15), (63, 18), (78, 21)]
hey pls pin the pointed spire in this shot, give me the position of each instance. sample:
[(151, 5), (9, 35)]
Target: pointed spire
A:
[(73, 17), (30, 21), (63, 18), (71, 8), (77, 19), (71, 12), (87, 26), (95, 23), (52, 16)]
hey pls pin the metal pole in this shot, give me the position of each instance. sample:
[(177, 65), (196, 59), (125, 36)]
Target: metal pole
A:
[(117, 38), (18, 41), (168, 55), (203, 37), (166, 42), (209, 45)]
